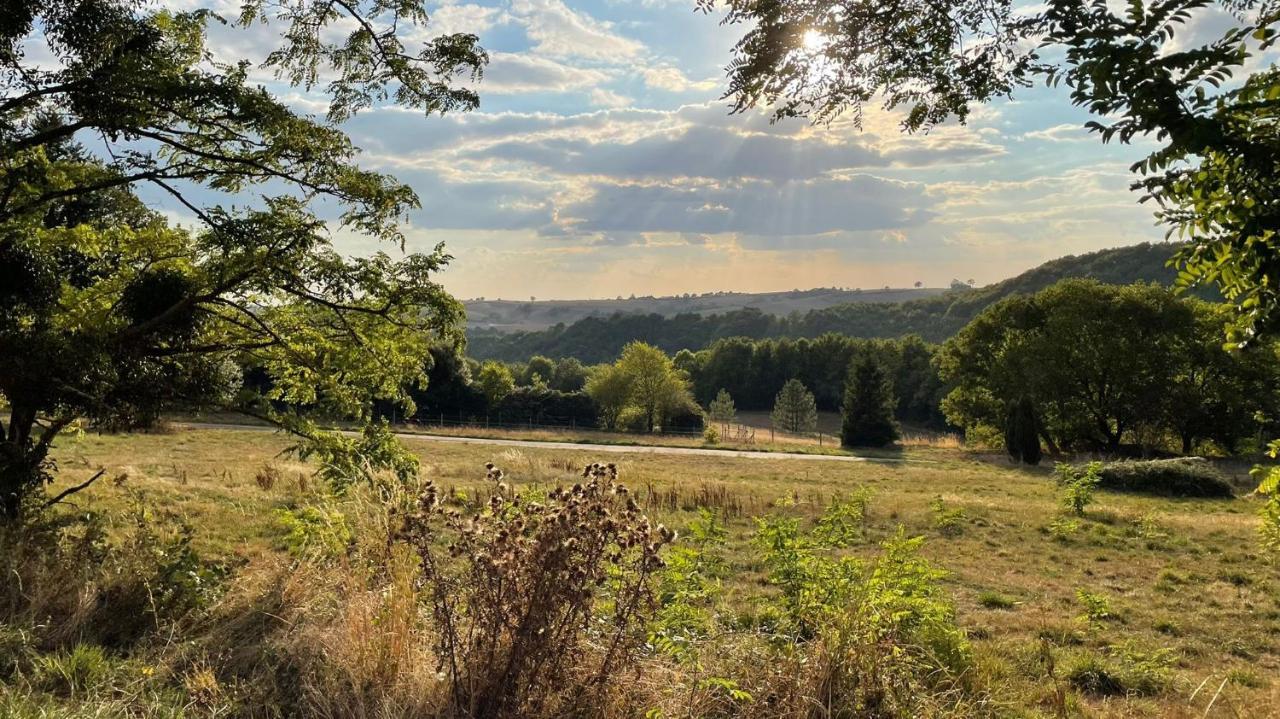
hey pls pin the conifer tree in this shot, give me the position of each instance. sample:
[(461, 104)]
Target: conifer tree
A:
[(795, 409), (868, 407), (1022, 432)]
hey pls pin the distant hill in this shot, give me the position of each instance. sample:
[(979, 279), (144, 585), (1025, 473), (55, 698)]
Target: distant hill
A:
[(513, 315), (935, 318)]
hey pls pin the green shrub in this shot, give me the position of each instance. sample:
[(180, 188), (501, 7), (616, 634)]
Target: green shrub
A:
[(948, 521), (711, 435), (321, 529), (1182, 477), (1096, 606), (1078, 485), (844, 522)]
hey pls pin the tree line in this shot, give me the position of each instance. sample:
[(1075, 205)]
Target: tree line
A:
[(1081, 365), (934, 319)]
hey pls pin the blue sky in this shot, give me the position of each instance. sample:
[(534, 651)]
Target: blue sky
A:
[(602, 162)]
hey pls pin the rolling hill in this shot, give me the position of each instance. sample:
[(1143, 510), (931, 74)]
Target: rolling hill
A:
[(513, 315), (935, 317)]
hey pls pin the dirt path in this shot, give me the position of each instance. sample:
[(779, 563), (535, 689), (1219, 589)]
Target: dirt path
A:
[(613, 448)]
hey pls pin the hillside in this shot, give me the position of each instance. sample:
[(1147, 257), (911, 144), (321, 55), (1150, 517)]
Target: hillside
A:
[(513, 315), (935, 318)]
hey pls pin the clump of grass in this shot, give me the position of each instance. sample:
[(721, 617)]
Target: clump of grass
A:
[(72, 671), (1125, 671), (995, 600), (267, 477)]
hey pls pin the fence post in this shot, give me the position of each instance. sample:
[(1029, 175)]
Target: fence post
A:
[(486, 421), (442, 420), (771, 435)]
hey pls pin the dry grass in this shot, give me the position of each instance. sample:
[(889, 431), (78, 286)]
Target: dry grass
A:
[(1178, 574)]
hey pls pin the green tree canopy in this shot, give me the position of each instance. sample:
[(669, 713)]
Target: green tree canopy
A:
[(657, 387), (721, 409), (610, 388), (1101, 363), (114, 315), (495, 382)]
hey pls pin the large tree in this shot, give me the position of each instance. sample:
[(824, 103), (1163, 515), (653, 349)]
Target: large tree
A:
[(868, 406), (657, 388), (113, 314), (1102, 363)]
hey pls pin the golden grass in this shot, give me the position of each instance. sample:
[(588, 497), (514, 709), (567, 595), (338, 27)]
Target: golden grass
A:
[(1222, 621)]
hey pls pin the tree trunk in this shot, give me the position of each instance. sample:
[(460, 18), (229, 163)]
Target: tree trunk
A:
[(1187, 442), (21, 463)]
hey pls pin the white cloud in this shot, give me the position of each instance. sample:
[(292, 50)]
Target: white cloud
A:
[(672, 79), (1066, 132), (513, 73), (560, 32), (607, 98)]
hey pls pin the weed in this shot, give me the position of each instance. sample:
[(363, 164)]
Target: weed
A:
[(843, 524), (512, 590), (1096, 607), (267, 477), (948, 521), (1078, 486)]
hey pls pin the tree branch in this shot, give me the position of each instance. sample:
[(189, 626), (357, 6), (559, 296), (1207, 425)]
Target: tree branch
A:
[(72, 490)]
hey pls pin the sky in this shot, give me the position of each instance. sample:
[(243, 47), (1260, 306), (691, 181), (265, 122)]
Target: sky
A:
[(603, 162)]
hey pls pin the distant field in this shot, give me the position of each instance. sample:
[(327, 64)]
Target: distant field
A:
[(519, 315), (1179, 574)]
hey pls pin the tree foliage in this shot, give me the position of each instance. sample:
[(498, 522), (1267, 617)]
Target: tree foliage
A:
[(1101, 364), (112, 314), (1022, 432), (722, 409), (1213, 174), (794, 409), (868, 406), (495, 381)]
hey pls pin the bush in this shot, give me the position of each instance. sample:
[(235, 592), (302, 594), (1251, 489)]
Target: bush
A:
[(711, 435), (1182, 477), (685, 417), (514, 591), (110, 580)]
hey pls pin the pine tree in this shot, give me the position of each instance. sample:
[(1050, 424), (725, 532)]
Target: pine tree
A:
[(868, 407), (795, 409), (721, 409), (1022, 432)]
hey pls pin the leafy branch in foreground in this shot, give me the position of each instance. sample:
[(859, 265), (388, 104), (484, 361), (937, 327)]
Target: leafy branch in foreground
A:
[(115, 315)]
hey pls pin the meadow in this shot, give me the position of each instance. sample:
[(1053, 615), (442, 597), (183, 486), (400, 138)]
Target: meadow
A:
[(1143, 607)]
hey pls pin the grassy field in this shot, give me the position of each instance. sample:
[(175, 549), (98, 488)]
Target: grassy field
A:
[(1158, 574)]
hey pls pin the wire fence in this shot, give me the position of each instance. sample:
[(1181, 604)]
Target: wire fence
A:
[(729, 432)]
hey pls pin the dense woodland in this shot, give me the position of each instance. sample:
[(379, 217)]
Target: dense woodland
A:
[(934, 319)]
